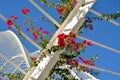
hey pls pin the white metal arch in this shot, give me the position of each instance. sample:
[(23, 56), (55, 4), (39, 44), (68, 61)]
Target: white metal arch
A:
[(12, 49)]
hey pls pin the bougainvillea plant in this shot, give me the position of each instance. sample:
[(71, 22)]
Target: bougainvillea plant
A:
[(72, 49)]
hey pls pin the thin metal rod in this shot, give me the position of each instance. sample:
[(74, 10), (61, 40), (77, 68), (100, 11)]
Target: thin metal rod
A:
[(18, 65), (100, 69), (13, 64), (24, 35), (98, 14), (101, 45), (45, 13)]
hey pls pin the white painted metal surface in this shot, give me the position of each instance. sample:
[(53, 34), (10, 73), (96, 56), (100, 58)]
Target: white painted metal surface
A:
[(12, 53)]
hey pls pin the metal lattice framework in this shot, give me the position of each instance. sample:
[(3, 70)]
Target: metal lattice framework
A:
[(12, 54), (72, 23)]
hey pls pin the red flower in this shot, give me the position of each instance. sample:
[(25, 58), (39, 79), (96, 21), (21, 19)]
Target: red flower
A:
[(0, 78), (46, 32), (61, 38), (9, 23), (35, 36), (90, 43), (34, 58), (85, 41), (61, 42), (62, 35), (25, 11), (28, 29), (91, 27), (13, 17), (40, 29), (60, 11), (86, 61)]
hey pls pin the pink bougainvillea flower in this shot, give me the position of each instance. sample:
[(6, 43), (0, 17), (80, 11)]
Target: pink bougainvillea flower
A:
[(62, 35), (35, 36), (85, 41), (91, 27), (90, 43), (86, 61), (61, 38), (59, 10), (28, 29), (61, 42), (25, 11), (9, 23), (13, 17), (40, 29), (46, 32), (34, 59)]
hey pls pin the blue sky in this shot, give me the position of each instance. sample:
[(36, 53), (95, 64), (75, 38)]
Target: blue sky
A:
[(104, 32)]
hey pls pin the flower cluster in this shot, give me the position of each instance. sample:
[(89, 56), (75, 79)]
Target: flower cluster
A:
[(75, 63), (88, 42), (25, 11), (72, 48), (66, 40), (34, 61), (11, 21), (87, 62)]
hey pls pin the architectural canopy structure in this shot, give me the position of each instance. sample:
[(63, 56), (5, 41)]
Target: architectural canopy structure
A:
[(14, 57)]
